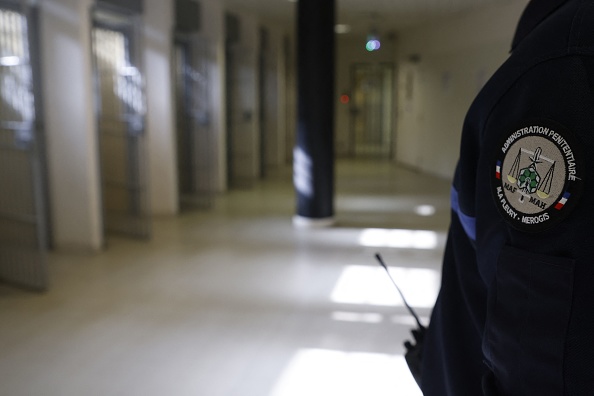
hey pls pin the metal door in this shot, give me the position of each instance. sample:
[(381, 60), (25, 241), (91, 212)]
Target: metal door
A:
[(290, 110), (240, 79), (270, 144), (371, 109), (121, 123), (241, 135), (195, 143), (23, 231)]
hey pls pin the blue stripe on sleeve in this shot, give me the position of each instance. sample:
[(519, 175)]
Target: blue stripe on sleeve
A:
[(468, 222)]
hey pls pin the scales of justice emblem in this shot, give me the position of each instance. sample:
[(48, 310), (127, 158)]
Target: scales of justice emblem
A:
[(537, 176), (529, 179)]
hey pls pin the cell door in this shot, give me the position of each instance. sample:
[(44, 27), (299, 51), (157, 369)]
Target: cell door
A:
[(372, 107), (241, 79), (23, 232), (121, 124), (195, 143), (270, 144), (242, 161)]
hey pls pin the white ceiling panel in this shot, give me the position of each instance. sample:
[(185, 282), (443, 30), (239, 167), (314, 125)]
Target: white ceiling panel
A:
[(361, 15)]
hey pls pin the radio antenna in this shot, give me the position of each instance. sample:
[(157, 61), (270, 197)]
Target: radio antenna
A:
[(410, 309)]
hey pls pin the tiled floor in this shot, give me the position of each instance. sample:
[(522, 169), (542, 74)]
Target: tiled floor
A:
[(236, 302)]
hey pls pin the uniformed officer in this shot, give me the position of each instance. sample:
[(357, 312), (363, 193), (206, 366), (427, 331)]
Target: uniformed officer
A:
[(515, 314)]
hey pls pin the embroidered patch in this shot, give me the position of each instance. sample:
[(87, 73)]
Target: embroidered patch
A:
[(537, 175)]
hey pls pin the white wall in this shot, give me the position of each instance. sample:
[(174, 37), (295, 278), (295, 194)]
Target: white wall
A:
[(456, 57), (158, 28), (70, 124)]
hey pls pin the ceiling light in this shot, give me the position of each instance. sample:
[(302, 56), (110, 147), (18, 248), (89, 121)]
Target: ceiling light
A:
[(342, 28), (425, 210), (373, 42)]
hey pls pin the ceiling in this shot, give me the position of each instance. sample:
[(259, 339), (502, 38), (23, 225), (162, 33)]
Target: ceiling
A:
[(362, 15)]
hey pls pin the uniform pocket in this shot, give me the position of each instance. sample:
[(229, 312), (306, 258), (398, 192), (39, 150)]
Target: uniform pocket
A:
[(527, 319)]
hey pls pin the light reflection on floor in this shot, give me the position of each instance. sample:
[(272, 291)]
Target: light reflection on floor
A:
[(366, 285), (403, 239), (361, 317), (318, 372)]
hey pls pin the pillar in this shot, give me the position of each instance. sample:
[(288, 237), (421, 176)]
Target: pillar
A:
[(158, 41), (70, 126), (313, 161)]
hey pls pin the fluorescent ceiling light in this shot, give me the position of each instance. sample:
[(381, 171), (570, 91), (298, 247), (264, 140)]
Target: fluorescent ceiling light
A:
[(342, 28), (425, 210)]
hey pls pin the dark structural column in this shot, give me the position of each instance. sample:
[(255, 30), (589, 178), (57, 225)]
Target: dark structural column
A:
[(313, 165)]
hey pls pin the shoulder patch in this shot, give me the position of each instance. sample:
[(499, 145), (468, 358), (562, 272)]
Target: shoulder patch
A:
[(537, 175)]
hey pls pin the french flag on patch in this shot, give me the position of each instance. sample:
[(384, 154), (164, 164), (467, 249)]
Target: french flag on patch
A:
[(498, 170), (563, 201)]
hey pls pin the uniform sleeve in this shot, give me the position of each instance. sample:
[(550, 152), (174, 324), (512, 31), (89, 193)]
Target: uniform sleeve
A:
[(535, 243)]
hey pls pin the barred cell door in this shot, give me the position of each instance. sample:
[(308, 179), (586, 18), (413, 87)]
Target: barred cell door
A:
[(121, 124), (23, 231), (372, 107), (195, 143)]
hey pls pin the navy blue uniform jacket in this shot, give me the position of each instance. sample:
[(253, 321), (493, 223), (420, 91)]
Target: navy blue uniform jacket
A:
[(515, 314)]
